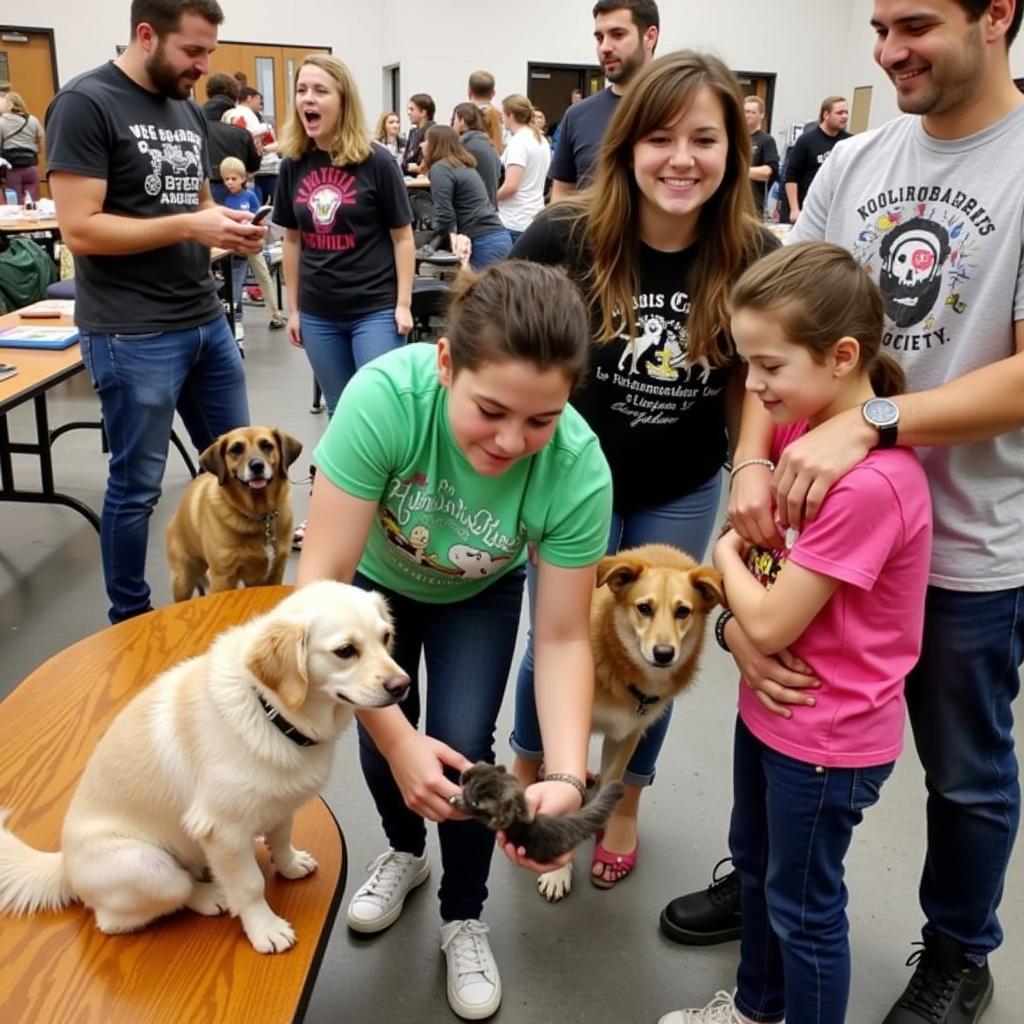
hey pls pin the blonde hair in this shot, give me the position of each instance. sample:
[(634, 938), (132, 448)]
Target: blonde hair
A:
[(351, 141), (730, 236), (818, 293), (520, 109), (232, 165), (15, 104), (381, 134)]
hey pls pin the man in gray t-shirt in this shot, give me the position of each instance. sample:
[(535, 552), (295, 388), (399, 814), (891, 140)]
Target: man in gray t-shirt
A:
[(626, 33), (933, 207), (128, 160)]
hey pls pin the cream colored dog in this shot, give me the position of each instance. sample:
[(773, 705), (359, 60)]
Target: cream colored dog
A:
[(216, 751)]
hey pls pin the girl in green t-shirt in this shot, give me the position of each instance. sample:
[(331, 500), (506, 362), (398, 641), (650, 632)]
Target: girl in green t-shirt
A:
[(438, 469)]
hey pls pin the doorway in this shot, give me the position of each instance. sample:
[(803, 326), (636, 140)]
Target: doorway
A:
[(762, 85), (28, 65), (550, 87), (860, 109)]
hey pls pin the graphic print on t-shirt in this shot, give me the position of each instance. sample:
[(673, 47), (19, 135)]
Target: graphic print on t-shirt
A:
[(922, 241), (432, 529), (324, 191), (176, 166)]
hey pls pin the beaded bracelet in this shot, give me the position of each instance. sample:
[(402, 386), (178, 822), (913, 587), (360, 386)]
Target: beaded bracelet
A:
[(577, 783), (720, 624), (750, 462)]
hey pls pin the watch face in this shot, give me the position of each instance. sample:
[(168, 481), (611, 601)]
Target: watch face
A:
[(881, 412)]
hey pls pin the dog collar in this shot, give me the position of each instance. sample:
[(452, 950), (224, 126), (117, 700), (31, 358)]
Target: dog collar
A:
[(275, 716), (643, 700), (267, 520)]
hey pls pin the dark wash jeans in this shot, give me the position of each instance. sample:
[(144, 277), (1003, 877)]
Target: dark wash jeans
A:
[(792, 823), (141, 380), (468, 648), (960, 698)]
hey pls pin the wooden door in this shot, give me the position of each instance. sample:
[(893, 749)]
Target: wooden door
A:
[(28, 66), (860, 109)]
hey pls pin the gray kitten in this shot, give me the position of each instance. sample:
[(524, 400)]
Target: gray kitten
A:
[(491, 795)]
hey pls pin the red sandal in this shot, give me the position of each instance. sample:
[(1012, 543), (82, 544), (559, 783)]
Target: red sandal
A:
[(621, 863)]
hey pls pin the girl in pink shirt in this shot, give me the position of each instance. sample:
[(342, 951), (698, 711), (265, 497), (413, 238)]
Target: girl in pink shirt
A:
[(847, 597)]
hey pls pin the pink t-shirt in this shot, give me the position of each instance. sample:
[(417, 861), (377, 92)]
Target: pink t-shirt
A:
[(873, 534)]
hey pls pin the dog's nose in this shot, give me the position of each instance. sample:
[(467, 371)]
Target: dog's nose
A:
[(257, 467), (664, 653), (397, 686)]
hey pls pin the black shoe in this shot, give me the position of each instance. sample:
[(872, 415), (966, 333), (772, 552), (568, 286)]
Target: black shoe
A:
[(946, 988), (708, 917)]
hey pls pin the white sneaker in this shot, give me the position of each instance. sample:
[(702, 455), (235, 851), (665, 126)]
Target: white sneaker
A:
[(474, 986), (721, 1010), (378, 903), (239, 331)]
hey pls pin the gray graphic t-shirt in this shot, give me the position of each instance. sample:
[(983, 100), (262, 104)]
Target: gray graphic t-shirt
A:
[(940, 225)]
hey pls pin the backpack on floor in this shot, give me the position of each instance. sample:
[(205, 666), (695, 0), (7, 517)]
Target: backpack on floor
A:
[(25, 272)]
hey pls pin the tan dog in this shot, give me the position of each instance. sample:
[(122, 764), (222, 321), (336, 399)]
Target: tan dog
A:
[(234, 522), (647, 624), (214, 752)]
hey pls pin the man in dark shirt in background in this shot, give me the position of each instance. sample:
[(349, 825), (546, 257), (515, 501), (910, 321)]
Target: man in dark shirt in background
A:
[(421, 114), (811, 150), (764, 160), (226, 139), (128, 157), (626, 32)]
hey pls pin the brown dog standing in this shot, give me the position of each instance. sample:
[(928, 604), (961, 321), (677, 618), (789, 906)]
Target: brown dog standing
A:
[(234, 522)]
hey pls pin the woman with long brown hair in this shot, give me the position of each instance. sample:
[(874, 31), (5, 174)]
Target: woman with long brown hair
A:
[(655, 244), (461, 205)]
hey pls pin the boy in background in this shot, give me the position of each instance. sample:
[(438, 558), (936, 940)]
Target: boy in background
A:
[(240, 197)]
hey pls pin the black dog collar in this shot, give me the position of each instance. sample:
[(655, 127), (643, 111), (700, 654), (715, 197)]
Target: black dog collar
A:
[(643, 700), (275, 716)]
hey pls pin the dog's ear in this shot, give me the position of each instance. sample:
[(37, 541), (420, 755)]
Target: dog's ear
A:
[(708, 583), (618, 572), (212, 460), (290, 449), (278, 660), (385, 612)]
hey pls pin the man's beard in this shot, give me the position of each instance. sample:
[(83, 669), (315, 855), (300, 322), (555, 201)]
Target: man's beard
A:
[(628, 67), (166, 80)]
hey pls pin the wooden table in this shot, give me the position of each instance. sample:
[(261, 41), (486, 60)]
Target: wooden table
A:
[(185, 969), (45, 232)]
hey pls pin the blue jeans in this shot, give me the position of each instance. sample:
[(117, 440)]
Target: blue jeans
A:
[(141, 379), (791, 827), (239, 271), (687, 523), (468, 646), (488, 249), (960, 699), (337, 348)]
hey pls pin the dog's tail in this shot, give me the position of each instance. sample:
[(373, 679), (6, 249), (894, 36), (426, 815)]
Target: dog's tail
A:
[(594, 815), (30, 880)]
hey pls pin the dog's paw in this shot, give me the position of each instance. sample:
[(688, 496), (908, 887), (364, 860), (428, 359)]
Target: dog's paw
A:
[(298, 865), (555, 885), (207, 899), (267, 932)]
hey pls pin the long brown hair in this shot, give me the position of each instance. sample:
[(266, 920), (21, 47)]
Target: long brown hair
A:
[(608, 212), (818, 293), (444, 146)]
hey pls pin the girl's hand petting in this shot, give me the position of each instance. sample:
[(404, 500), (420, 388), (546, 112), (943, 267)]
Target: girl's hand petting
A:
[(729, 544)]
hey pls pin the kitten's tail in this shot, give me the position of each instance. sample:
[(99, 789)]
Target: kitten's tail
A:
[(593, 815)]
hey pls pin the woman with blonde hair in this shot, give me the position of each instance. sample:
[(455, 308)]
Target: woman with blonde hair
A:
[(526, 160), (389, 134), (21, 138), (655, 244)]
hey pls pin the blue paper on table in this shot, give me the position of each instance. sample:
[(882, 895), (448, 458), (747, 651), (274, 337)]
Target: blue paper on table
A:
[(33, 336)]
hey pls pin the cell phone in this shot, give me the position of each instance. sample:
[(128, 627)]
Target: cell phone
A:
[(261, 214)]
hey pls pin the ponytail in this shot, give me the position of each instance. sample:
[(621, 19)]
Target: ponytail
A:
[(887, 376)]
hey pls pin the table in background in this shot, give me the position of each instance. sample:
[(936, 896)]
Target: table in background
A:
[(44, 231), (59, 967)]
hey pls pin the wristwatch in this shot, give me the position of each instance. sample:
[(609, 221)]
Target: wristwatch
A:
[(884, 415)]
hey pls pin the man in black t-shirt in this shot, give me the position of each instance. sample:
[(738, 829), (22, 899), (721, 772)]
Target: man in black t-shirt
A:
[(128, 159), (626, 32), (421, 113), (764, 160), (811, 150)]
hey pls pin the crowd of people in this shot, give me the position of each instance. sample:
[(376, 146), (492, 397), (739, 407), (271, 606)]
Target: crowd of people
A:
[(645, 310)]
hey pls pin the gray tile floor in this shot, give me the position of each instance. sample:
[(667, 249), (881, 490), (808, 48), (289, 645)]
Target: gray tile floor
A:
[(598, 956)]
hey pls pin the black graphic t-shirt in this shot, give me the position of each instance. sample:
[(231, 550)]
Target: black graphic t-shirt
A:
[(660, 418), (764, 152), (806, 156), (152, 153), (344, 216)]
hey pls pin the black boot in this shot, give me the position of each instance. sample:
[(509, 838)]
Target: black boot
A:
[(946, 987), (707, 917)]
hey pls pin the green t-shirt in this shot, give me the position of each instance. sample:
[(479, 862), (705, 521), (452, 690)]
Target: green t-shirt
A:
[(443, 532)]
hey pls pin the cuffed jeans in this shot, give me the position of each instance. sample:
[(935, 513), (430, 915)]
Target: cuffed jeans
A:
[(792, 824), (687, 523), (141, 380), (960, 699), (337, 348), (468, 647)]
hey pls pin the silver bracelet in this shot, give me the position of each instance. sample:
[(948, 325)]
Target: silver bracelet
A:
[(751, 462), (575, 781)]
